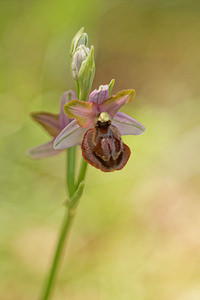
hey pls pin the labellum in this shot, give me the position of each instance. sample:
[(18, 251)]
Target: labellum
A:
[(102, 146)]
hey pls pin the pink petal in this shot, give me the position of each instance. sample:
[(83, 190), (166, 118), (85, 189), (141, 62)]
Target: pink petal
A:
[(83, 112), (50, 122), (100, 95), (66, 97), (127, 125), (42, 151), (70, 136), (113, 104)]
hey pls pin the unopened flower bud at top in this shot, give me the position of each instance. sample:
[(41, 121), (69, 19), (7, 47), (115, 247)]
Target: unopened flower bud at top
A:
[(81, 38), (86, 76), (78, 58)]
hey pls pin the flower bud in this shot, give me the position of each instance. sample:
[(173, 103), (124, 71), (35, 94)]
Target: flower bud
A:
[(78, 58), (81, 38), (86, 76)]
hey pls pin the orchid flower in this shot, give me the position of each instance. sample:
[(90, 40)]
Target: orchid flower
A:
[(91, 120), (100, 113), (53, 124)]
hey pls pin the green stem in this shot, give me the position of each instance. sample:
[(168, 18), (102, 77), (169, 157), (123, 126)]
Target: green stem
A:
[(71, 156), (84, 164), (77, 89), (65, 229), (75, 192), (58, 253), (82, 172)]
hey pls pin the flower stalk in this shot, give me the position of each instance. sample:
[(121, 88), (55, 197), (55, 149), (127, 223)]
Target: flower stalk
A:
[(75, 189), (71, 161), (64, 231), (92, 120), (64, 234)]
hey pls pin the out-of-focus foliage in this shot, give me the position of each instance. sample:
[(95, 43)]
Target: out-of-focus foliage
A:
[(136, 234)]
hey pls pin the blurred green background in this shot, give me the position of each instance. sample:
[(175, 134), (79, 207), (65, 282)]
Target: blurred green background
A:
[(137, 231)]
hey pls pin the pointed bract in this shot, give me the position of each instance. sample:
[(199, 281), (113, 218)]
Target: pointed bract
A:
[(110, 87), (80, 38), (86, 76)]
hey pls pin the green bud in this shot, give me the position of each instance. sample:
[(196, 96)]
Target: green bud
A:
[(81, 38), (86, 76), (111, 86), (78, 58)]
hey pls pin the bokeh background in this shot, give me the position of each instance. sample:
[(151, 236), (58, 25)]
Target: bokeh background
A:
[(137, 231)]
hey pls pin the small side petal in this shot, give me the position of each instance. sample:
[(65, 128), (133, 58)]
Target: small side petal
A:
[(70, 136), (66, 97), (50, 122), (100, 95), (42, 151), (83, 112), (127, 125), (113, 104)]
